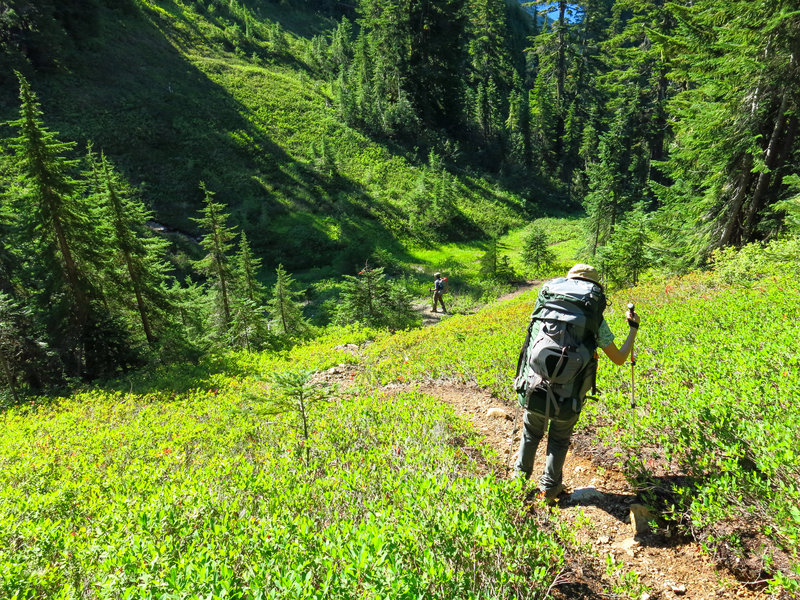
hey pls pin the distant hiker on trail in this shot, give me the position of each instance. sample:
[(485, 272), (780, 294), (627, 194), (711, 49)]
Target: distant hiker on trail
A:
[(558, 365), (438, 290)]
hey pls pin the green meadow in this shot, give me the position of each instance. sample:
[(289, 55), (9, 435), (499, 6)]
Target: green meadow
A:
[(203, 481)]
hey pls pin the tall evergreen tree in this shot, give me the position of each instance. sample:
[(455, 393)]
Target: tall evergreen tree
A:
[(143, 273), (285, 309), (49, 200), (491, 68), (64, 249), (372, 300), (735, 118), (417, 52), (215, 265), (249, 325)]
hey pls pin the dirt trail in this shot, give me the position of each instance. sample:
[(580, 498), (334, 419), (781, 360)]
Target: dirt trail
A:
[(598, 510), (596, 507), (432, 318)]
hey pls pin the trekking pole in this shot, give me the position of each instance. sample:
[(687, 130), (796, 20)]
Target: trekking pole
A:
[(632, 310)]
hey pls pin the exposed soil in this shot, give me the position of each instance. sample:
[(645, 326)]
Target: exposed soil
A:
[(597, 505)]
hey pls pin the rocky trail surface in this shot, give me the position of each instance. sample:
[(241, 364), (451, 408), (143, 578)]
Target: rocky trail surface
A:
[(603, 511)]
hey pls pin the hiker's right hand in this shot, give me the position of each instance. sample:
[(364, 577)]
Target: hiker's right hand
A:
[(633, 319)]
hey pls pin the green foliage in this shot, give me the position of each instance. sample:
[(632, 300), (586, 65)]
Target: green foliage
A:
[(285, 308), (374, 301), (734, 119), (215, 265), (756, 261), (495, 266), (26, 364), (295, 392), (626, 255), (249, 315), (371, 492), (724, 423), (141, 279), (536, 254), (64, 248), (388, 505), (715, 377)]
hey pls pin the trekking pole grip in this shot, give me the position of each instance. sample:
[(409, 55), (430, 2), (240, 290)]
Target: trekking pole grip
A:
[(632, 310), (635, 325)]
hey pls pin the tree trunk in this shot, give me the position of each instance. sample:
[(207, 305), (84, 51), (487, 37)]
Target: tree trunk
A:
[(70, 267), (139, 300), (733, 224), (770, 161)]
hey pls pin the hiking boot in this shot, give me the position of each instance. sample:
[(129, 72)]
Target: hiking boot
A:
[(551, 495), (521, 475)]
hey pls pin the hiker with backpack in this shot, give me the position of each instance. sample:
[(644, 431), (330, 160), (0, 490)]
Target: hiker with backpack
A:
[(557, 367), (438, 289)]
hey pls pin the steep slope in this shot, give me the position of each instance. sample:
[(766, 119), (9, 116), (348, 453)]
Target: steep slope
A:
[(176, 93)]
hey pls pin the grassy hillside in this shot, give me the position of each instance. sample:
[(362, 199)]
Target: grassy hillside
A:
[(178, 92), (202, 480), (712, 439), (208, 491)]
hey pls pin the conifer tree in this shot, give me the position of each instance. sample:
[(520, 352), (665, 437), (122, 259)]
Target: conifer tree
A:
[(369, 298), (245, 271), (491, 70), (26, 364), (143, 275), (49, 196), (63, 247), (602, 203), (249, 325), (9, 250), (215, 265), (626, 255), (536, 253), (341, 46), (735, 116), (285, 310)]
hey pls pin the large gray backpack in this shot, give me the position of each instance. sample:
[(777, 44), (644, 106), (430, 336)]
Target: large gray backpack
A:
[(557, 363)]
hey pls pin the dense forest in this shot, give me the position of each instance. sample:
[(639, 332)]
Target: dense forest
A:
[(157, 153)]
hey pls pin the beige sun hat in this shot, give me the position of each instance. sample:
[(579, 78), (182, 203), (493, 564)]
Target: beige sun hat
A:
[(581, 271)]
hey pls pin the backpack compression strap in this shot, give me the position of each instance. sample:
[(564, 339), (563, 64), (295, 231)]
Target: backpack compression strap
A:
[(524, 350)]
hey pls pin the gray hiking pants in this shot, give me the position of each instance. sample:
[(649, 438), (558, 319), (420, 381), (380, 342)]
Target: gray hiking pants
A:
[(437, 299), (558, 436)]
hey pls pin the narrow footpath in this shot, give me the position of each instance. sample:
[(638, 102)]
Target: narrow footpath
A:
[(597, 507)]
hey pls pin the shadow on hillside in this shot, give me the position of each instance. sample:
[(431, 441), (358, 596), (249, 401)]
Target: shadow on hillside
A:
[(167, 126), (177, 378)]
